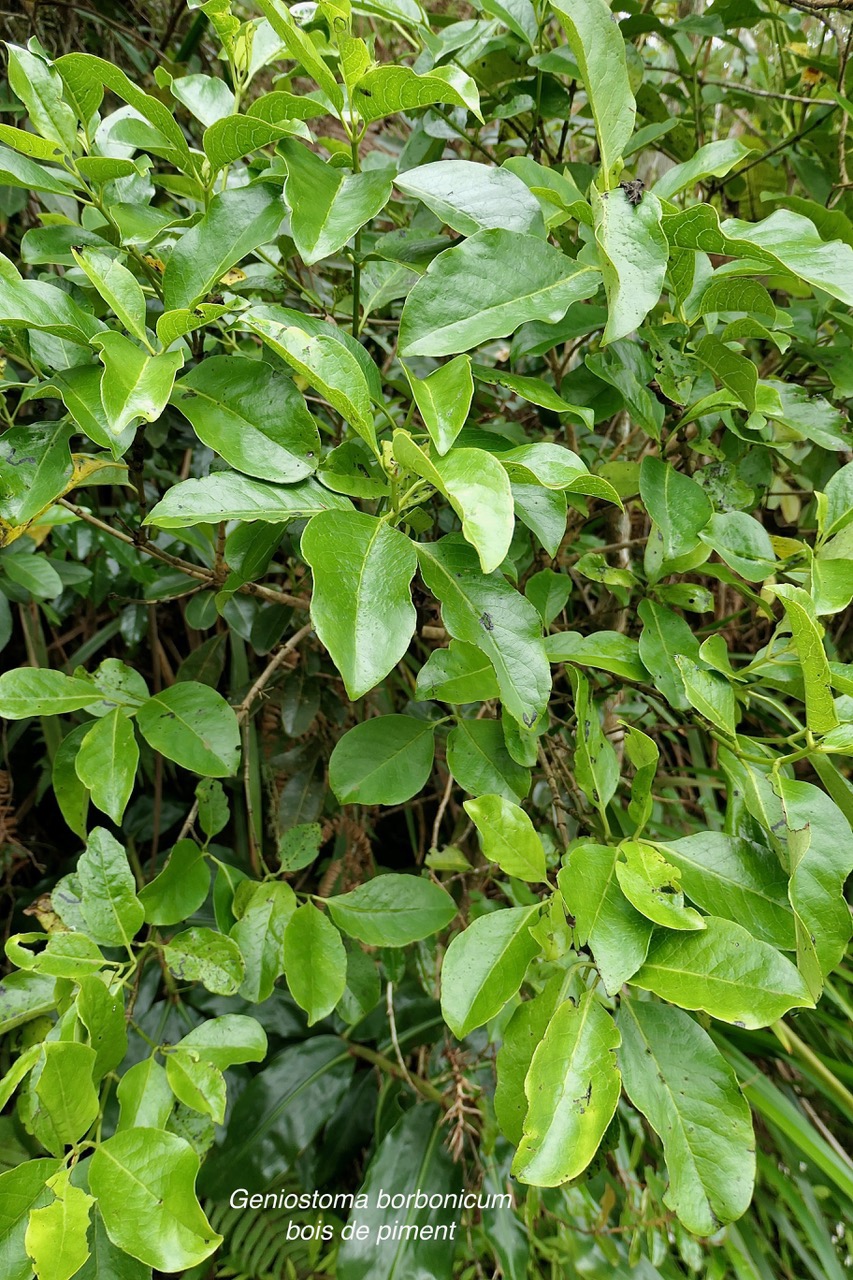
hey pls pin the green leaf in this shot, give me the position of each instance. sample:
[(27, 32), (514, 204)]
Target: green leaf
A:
[(521, 1036), (39, 86), (536, 390), (651, 884), (327, 365), (634, 251), (205, 956), (507, 837), (678, 506), (664, 636), (674, 1074), (35, 468), (486, 287), (236, 223), (32, 304), (599, 51), (65, 1100), (144, 1096), (118, 287), (259, 933), (20, 171), (643, 753), (487, 612), (735, 293), (101, 1011), (327, 205), (56, 1235), (144, 1180), (24, 996), (484, 966), (180, 888), (473, 197), (618, 935), (476, 486), (724, 970), (226, 1041), (315, 962), (22, 1190), (392, 910), (743, 543), (111, 909), (820, 850), (714, 160), (385, 91), (32, 692), (460, 673), (194, 726), (821, 715), (479, 761), (785, 241), (226, 496), (595, 762), (710, 693), (737, 374), (105, 1261), (385, 760), (197, 1084), (106, 763), (234, 136), (252, 415), (556, 468), (66, 955), (18, 1071), (361, 605), (300, 46), (603, 651), (134, 386), (572, 1090), (737, 879), (518, 15), (444, 399)]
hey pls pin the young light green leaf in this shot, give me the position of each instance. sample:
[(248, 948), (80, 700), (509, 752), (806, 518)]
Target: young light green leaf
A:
[(39, 86), (205, 956), (710, 693), (714, 160), (643, 753), (484, 966), (65, 1100), (22, 1189), (572, 1089), (361, 605), (197, 1084), (724, 970), (259, 933), (507, 837), (486, 287), (118, 287), (443, 399), (144, 1096), (144, 1180), (392, 910), (385, 760), (315, 962), (651, 884), (225, 1041), (193, 725), (106, 763), (56, 1235), (300, 46), (476, 486), (29, 692), (252, 415), (101, 1011), (674, 1074), (134, 385), (384, 91)]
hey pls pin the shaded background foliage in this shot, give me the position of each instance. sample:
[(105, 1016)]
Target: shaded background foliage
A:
[(775, 78)]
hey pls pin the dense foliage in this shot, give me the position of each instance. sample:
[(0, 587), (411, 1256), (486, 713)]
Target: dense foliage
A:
[(426, 509)]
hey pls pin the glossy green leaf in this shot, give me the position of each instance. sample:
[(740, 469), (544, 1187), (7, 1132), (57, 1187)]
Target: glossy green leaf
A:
[(106, 763), (665, 635), (507, 837), (27, 692), (205, 956), (194, 726), (315, 962), (617, 934), (361, 605), (392, 910), (486, 287), (678, 506), (227, 496), (102, 1012), (236, 223), (487, 612), (714, 160), (234, 136), (197, 1083), (484, 967), (134, 386), (35, 468), (225, 1041), (118, 287), (678, 1079), (259, 933), (252, 415), (180, 888), (572, 1090), (710, 693), (724, 970), (821, 715), (39, 86), (144, 1180), (459, 673), (521, 1036), (64, 1097), (652, 885), (480, 762), (327, 205), (300, 47), (383, 91), (633, 251), (385, 760), (444, 399)]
